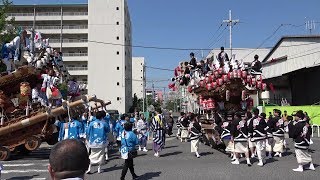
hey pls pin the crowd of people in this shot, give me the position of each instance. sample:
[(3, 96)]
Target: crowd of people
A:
[(98, 131), (253, 135)]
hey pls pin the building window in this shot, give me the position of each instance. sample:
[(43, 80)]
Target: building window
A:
[(118, 83), (118, 68), (141, 77), (141, 85), (117, 8), (118, 52), (118, 38), (118, 23), (118, 98), (141, 70)]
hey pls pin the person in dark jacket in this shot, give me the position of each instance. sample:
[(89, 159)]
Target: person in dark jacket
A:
[(193, 61), (226, 134), (256, 66), (195, 134), (276, 125), (258, 132), (301, 136), (249, 118), (184, 128), (239, 134)]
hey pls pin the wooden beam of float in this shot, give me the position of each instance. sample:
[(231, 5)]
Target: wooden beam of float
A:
[(44, 116)]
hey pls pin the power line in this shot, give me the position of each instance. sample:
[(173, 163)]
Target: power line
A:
[(163, 69), (269, 37), (264, 41), (147, 47), (213, 35)]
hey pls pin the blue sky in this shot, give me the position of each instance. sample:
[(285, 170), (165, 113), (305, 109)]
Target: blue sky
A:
[(192, 23)]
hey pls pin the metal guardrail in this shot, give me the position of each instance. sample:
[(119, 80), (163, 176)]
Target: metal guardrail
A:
[(50, 14), (68, 40), (74, 54), (77, 68), (58, 27)]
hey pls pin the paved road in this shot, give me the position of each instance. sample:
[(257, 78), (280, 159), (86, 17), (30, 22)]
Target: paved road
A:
[(176, 162)]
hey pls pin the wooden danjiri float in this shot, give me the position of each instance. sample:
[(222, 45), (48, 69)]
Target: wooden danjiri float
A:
[(33, 95), (224, 88)]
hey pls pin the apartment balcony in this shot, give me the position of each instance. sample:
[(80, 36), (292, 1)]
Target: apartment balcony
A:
[(49, 16), (66, 43), (68, 57), (66, 29), (77, 71)]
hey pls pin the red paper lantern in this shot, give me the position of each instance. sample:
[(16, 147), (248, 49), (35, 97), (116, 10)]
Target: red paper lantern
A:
[(259, 84), (225, 78), (259, 78), (210, 78), (239, 73), (214, 85), (263, 86), (253, 81), (220, 70), (189, 89), (210, 104), (219, 82), (244, 74), (235, 74), (208, 86), (201, 83), (204, 104), (216, 74), (249, 79), (207, 79), (230, 75)]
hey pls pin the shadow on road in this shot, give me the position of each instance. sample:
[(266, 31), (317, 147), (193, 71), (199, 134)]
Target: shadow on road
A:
[(149, 175), (24, 177), (206, 153), (113, 168), (171, 154), (168, 147)]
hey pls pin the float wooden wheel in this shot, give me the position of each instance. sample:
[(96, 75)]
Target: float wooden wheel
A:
[(4, 153), (32, 143)]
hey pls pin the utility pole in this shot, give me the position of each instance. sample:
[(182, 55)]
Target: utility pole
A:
[(230, 23), (61, 28), (153, 93), (310, 25), (144, 87)]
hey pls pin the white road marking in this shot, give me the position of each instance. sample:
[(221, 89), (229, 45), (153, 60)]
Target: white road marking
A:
[(23, 171), (17, 165)]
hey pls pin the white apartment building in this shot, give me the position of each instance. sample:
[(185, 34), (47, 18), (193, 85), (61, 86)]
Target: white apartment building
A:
[(110, 53), (101, 64), (138, 76)]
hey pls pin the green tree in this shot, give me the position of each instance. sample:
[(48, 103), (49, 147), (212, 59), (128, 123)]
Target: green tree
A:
[(170, 105), (7, 27), (134, 106)]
